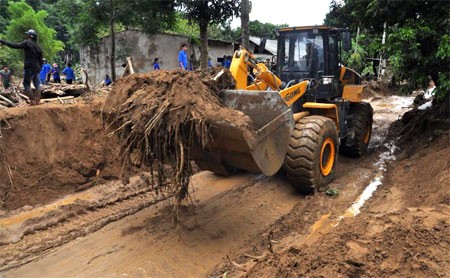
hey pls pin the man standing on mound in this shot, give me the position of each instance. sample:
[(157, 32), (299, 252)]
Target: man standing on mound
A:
[(31, 64)]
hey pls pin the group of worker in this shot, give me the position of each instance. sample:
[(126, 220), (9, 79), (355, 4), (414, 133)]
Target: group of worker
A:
[(36, 68), (48, 71)]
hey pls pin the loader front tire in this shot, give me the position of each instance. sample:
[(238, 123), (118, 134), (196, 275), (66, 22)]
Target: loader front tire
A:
[(360, 126), (312, 153)]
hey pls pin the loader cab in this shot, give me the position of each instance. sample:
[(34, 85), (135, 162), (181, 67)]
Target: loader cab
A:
[(309, 53)]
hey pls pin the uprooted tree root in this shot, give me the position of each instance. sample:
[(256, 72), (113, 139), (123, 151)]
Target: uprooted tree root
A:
[(159, 117)]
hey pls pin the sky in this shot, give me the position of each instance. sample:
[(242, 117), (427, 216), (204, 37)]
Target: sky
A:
[(291, 12)]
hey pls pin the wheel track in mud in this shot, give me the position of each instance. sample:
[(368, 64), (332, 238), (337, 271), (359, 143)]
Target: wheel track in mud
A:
[(71, 222), (78, 221)]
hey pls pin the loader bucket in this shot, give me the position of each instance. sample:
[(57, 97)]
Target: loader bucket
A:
[(262, 152)]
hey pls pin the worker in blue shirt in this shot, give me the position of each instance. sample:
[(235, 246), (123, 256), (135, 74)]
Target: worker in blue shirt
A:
[(182, 57), (156, 64), (227, 62), (210, 64), (69, 74), (45, 71), (55, 73), (107, 81)]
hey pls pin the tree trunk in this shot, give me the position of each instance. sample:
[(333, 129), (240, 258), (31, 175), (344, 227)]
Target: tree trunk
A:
[(245, 19), (203, 43), (112, 59)]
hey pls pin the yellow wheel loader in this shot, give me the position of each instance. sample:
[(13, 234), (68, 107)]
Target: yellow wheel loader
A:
[(305, 113)]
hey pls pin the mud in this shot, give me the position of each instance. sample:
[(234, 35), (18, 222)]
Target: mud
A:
[(246, 225), (160, 116), (51, 150), (402, 231)]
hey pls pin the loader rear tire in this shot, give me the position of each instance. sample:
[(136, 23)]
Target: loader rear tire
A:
[(360, 122), (312, 153)]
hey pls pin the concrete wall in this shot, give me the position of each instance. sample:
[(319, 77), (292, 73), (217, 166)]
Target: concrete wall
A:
[(143, 49)]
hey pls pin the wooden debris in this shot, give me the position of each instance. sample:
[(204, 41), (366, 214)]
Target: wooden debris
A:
[(128, 68), (63, 100), (10, 97), (5, 99), (64, 89), (54, 92)]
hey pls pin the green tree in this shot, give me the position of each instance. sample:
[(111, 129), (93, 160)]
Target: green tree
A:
[(415, 35), (259, 29), (4, 16), (22, 17), (94, 19), (204, 13)]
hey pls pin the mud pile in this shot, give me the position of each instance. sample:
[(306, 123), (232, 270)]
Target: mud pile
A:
[(51, 150), (377, 89), (425, 123), (160, 116)]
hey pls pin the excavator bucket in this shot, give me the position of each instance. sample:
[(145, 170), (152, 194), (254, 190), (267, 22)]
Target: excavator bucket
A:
[(264, 151)]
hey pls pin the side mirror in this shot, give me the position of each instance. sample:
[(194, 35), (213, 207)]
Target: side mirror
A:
[(346, 40)]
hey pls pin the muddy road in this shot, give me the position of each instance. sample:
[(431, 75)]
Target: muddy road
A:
[(111, 230)]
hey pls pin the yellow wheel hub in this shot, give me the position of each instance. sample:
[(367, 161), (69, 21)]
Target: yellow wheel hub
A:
[(327, 155)]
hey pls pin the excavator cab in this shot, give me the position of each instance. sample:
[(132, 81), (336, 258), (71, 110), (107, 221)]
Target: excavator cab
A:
[(311, 53)]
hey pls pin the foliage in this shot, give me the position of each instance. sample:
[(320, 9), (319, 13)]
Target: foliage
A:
[(23, 18), (416, 35), (355, 58), (183, 27), (259, 29), (4, 15), (204, 13), (90, 19), (209, 11)]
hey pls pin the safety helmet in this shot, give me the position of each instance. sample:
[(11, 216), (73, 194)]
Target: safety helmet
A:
[(31, 33)]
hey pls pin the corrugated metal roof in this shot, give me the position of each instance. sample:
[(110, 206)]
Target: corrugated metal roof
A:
[(271, 45)]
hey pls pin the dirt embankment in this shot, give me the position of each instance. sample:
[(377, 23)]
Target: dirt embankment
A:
[(51, 150)]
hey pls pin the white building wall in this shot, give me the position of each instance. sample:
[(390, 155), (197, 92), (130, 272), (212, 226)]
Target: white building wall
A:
[(143, 48)]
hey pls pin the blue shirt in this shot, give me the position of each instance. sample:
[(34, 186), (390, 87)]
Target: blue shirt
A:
[(46, 68), (227, 64), (108, 81), (55, 72), (182, 58), (68, 72), (156, 66)]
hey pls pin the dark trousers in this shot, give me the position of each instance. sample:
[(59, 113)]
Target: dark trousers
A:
[(31, 74), (69, 81)]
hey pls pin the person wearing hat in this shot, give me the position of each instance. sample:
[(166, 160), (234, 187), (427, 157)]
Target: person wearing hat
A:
[(55, 73), (32, 64), (45, 72)]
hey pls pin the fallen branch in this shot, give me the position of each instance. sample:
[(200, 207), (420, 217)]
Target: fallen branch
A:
[(8, 101), (257, 258), (236, 265), (57, 99)]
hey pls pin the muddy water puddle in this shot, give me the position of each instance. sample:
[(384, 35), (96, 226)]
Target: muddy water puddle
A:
[(386, 111)]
